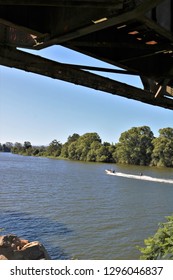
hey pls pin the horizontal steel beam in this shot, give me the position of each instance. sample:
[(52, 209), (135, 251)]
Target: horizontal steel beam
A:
[(63, 3), (102, 69), (20, 27), (14, 58), (108, 22)]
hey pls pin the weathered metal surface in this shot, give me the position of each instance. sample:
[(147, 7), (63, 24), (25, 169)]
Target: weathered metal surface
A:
[(135, 35), (64, 3), (35, 64)]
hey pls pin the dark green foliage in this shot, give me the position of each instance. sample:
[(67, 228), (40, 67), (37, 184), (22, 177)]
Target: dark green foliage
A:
[(17, 148), (54, 148), (73, 138), (84, 148), (136, 146), (163, 148), (159, 246), (27, 145), (6, 147)]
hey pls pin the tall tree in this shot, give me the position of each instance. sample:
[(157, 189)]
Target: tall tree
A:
[(54, 148), (163, 148), (17, 148), (7, 147), (80, 148), (27, 145), (73, 138), (65, 147), (135, 146)]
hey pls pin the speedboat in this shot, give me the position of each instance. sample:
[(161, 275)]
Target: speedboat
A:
[(139, 177), (110, 171)]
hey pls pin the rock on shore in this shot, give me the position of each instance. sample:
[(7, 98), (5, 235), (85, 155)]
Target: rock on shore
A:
[(14, 248)]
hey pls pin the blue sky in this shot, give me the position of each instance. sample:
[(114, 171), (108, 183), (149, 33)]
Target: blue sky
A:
[(39, 109)]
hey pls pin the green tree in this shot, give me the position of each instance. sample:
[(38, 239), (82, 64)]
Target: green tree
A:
[(104, 153), (73, 138), (163, 148), (17, 148), (35, 151), (42, 151), (7, 147), (159, 246), (54, 148), (64, 150), (89, 138), (111, 149), (79, 149), (27, 148), (135, 146), (65, 147), (72, 151), (27, 145), (92, 153), (84, 144)]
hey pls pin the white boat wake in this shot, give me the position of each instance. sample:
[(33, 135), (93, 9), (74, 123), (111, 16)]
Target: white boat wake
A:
[(139, 177)]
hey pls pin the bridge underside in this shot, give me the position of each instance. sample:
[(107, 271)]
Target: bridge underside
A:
[(133, 35)]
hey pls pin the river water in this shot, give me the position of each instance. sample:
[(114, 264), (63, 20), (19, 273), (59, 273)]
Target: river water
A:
[(78, 211)]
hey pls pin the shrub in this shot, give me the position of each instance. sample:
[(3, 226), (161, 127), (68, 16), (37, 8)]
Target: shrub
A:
[(159, 246)]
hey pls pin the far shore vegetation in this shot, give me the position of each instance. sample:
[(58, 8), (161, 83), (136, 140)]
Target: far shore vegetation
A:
[(136, 146)]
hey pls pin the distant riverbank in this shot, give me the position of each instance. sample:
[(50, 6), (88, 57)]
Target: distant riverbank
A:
[(137, 146)]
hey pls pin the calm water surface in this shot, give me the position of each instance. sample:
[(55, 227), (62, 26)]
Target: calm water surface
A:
[(77, 211)]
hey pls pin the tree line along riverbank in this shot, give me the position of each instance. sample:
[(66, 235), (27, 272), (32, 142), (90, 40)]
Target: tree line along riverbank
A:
[(136, 146)]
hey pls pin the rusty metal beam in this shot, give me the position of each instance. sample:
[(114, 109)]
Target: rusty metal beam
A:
[(119, 45), (158, 29), (101, 69), (141, 56), (19, 27), (139, 11), (14, 58), (64, 3)]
